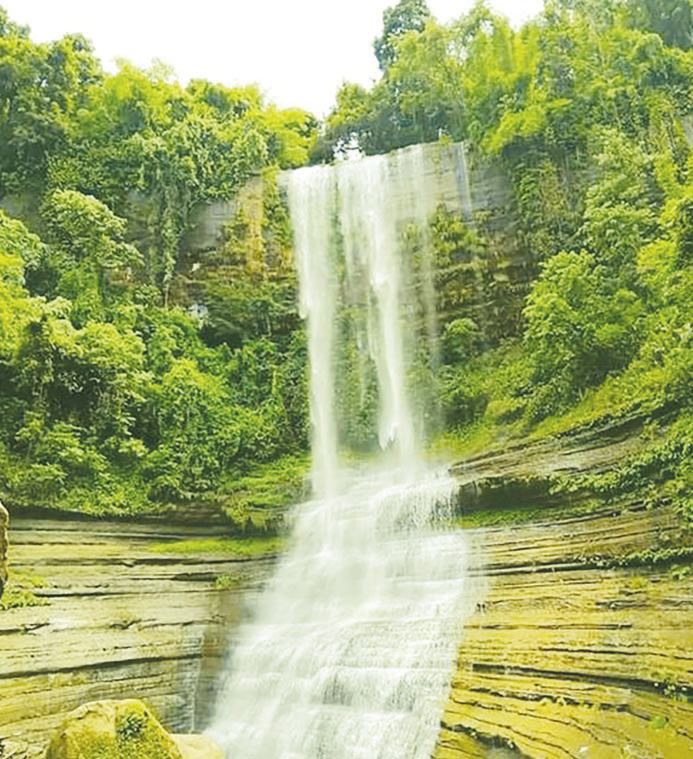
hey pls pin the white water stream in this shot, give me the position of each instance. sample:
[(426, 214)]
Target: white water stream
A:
[(351, 647)]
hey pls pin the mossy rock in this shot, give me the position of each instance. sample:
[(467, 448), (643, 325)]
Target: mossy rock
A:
[(4, 521), (112, 730)]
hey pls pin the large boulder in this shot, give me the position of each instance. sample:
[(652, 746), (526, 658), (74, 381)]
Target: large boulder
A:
[(4, 524), (124, 730), (198, 747)]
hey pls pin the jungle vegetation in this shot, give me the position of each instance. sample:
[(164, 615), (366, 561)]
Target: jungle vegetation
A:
[(587, 108), (114, 398)]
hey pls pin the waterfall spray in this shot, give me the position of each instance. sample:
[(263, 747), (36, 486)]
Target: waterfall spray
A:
[(349, 651)]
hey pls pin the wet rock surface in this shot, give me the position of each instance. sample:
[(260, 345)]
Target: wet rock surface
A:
[(120, 619), (573, 652)]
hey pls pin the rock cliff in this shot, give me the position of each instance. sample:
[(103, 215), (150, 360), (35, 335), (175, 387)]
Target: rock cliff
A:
[(582, 647), (119, 619), (484, 276)]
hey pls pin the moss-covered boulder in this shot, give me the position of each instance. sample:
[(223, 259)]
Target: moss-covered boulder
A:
[(112, 730), (4, 523)]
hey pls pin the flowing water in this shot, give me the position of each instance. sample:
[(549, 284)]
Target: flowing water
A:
[(349, 652)]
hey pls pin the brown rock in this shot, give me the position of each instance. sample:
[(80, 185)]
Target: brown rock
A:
[(4, 522), (112, 730), (198, 747)]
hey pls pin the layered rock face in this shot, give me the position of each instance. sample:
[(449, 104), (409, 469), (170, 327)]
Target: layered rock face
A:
[(120, 619), (575, 650), (485, 281), (578, 650)]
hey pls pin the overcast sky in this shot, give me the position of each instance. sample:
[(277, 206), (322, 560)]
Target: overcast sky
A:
[(298, 51)]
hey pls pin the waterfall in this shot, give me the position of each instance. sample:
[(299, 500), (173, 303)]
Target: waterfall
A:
[(349, 651)]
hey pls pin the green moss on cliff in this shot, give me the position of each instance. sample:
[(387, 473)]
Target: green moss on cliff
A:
[(235, 547), (19, 591)]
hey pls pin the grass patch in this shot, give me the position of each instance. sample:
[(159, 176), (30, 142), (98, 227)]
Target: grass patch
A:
[(19, 591), (526, 515), (255, 497), (246, 548)]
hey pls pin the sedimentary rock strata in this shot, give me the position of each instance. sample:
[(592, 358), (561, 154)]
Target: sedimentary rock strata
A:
[(120, 620), (582, 647)]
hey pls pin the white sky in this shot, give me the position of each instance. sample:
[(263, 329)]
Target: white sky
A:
[(298, 51)]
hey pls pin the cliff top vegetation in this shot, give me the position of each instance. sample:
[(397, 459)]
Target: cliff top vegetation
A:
[(116, 397)]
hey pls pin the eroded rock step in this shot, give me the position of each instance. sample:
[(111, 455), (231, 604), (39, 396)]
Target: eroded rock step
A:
[(566, 659), (120, 620)]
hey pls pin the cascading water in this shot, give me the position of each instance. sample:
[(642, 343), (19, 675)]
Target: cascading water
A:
[(350, 649)]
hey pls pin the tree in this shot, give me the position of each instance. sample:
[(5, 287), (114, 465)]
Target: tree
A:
[(18, 247), (671, 19), (407, 15), (580, 326), (426, 81), (87, 238), (42, 87)]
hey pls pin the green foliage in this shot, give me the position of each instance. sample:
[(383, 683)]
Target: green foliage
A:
[(131, 726), (579, 327), (247, 548), (93, 412), (41, 91), (405, 16), (197, 433), (134, 138), (583, 107), (113, 399), (226, 582), (663, 470), (19, 591), (17, 247), (671, 19), (463, 397), (88, 261), (17, 598)]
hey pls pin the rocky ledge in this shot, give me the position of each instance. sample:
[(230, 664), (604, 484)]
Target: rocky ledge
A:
[(582, 644), (117, 619)]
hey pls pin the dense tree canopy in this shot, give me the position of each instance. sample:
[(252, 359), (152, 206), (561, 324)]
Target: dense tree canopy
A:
[(407, 15), (586, 108), (112, 395)]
